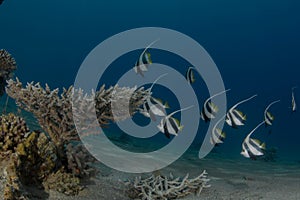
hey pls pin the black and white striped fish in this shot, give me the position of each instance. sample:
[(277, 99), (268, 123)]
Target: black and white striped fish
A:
[(171, 126), (209, 109), (251, 148), (217, 135), (190, 76), (234, 117), (294, 105), (144, 61), (153, 106), (269, 118)]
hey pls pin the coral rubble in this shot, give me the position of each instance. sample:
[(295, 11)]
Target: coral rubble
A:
[(7, 67), (162, 187)]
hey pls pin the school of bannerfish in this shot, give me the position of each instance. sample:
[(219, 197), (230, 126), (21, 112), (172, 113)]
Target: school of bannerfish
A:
[(152, 107)]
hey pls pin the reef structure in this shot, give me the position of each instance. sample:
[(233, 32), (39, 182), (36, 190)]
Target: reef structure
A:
[(56, 159), (25, 157), (158, 187), (7, 67)]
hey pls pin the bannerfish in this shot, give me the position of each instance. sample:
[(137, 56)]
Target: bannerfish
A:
[(217, 135), (294, 106), (251, 148), (153, 106), (144, 61), (169, 125), (209, 109), (269, 118), (190, 76), (234, 117)]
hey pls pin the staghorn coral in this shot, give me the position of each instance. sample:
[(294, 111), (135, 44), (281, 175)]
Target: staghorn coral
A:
[(162, 187), (54, 111), (7, 67)]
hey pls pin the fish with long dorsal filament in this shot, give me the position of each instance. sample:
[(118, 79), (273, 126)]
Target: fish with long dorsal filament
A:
[(251, 148), (144, 61), (209, 109), (234, 117), (153, 106), (269, 118), (169, 125), (190, 76), (217, 134), (294, 105)]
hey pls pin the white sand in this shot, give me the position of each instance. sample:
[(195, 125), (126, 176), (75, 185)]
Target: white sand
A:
[(230, 180)]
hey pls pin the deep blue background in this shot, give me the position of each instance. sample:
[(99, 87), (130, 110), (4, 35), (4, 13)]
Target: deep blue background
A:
[(254, 43)]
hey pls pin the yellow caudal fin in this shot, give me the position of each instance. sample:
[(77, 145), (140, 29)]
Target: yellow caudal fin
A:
[(270, 115), (242, 114), (167, 105), (159, 100), (181, 127), (263, 146), (257, 141), (149, 57), (223, 134), (214, 106), (193, 77)]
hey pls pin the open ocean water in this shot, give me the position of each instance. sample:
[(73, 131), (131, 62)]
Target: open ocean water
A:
[(255, 45)]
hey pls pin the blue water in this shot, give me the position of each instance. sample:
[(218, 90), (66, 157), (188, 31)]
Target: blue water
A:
[(255, 45)]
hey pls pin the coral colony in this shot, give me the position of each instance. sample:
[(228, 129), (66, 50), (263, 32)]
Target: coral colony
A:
[(52, 160)]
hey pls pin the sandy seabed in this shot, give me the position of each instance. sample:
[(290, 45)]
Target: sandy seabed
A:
[(230, 179)]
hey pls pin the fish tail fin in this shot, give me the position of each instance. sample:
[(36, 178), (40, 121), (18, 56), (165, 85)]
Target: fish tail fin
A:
[(167, 105), (263, 146), (181, 127), (223, 135)]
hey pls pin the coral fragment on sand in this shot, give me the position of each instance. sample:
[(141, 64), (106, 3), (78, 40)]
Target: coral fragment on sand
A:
[(162, 187)]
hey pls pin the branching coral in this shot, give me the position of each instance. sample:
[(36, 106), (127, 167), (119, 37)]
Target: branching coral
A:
[(162, 187), (54, 111), (12, 131), (7, 67)]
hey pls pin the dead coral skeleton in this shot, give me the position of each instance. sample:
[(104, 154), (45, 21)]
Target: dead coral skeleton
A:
[(162, 187)]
